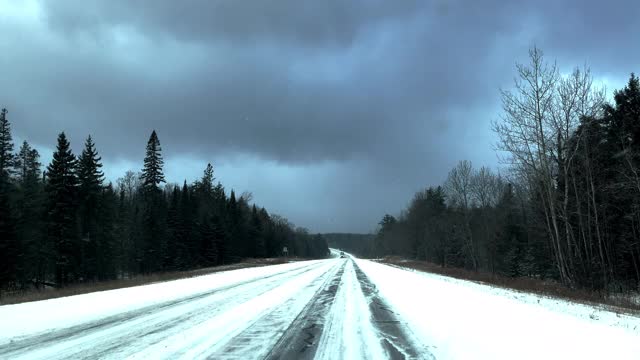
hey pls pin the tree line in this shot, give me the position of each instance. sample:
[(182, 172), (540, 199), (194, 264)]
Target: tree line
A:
[(356, 244), (567, 205), (66, 224)]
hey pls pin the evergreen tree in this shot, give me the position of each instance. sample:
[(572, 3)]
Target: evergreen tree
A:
[(511, 248), (9, 248), (61, 188), (27, 164), (256, 235), (106, 230), (435, 223), (177, 252), (220, 239), (234, 220), (64, 224), (211, 236), (35, 252), (385, 230), (89, 174), (6, 146), (152, 174), (189, 226), (207, 180), (267, 233), (90, 179), (617, 248), (219, 198), (154, 211)]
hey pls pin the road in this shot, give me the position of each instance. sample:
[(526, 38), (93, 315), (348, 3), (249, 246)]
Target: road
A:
[(317, 310)]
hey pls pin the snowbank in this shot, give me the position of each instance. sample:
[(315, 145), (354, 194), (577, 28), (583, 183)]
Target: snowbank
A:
[(459, 319)]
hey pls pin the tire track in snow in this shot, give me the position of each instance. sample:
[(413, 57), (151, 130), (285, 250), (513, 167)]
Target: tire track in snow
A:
[(144, 316), (272, 327), (301, 338), (397, 339)]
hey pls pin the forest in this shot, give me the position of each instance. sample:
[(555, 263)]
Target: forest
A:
[(564, 206), (356, 244), (66, 224)]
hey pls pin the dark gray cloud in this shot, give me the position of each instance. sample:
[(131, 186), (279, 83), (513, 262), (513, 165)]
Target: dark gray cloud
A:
[(305, 23), (386, 94)]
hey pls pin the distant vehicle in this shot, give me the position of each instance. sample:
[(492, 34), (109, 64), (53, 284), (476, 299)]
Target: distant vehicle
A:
[(342, 255)]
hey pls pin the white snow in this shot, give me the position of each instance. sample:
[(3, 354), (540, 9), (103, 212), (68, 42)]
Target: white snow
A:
[(252, 308), (349, 333), (460, 319), (206, 338), (41, 316)]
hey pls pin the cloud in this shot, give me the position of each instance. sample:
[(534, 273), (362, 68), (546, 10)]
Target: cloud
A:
[(391, 94)]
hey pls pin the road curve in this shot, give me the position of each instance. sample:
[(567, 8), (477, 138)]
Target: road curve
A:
[(321, 310)]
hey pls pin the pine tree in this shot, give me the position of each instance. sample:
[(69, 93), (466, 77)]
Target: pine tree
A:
[(188, 223), (9, 248), (175, 259), (27, 164), (90, 179), (235, 222), (210, 238), (256, 235), (154, 211), (105, 237), (89, 174), (220, 198), (35, 251), (268, 233), (207, 180), (61, 188), (220, 224), (6, 146), (152, 175)]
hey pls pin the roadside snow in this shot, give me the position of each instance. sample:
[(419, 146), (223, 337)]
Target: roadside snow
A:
[(42, 316), (459, 319)]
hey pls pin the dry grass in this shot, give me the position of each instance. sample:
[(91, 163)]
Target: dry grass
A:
[(84, 288), (625, 304)]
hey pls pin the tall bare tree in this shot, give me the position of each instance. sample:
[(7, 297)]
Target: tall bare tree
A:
[(527, 134), (459, 188), (539, 118)]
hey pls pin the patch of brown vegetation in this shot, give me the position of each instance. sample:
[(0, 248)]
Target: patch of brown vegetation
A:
[(85, 288), (620, 304)]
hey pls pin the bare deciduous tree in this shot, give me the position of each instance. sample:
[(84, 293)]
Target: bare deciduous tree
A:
[(526, 132), (459, 187), (486, 187), (539, 118)]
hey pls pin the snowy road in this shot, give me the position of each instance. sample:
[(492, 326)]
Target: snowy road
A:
[(318, 309), (325, 309)]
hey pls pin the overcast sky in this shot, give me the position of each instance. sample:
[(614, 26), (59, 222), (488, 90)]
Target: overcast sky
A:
[(331, 112)]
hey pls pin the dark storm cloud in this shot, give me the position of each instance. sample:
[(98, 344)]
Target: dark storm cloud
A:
[(395, 91), (329, 22), (280, 99)]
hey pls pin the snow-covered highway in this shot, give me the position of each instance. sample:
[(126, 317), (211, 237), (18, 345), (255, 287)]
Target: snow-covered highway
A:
[(313, 309), (341, 308)]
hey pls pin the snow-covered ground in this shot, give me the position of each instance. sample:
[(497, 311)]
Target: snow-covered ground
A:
[(328, 309), (311, 309), (188, 318), (460, 319), (39, 316)]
